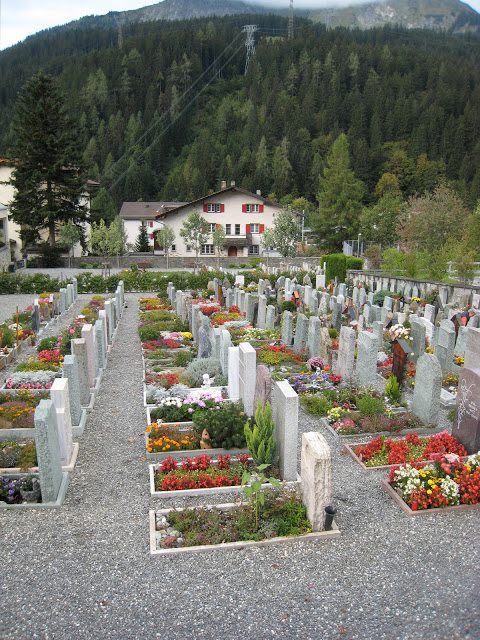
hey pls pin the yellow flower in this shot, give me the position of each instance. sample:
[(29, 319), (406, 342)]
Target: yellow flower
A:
[(429, 491)]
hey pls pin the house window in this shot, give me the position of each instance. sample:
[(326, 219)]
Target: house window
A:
[(189, 247), (207, 250), (214, 207), (253, 208), (211, 227), (174, 247), (237, 229), (254, 227), (150, 224), (254, 250), (228, 229)]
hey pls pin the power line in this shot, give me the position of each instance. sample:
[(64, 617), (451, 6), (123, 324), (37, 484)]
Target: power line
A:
[(174, 119), (249, 30), (290, 21)]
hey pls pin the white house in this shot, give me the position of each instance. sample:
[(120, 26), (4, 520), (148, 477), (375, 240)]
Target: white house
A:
[(7, 193), (243, 215), (4, 239), (134, 214)]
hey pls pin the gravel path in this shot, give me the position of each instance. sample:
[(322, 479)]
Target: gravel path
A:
[(84, 572)]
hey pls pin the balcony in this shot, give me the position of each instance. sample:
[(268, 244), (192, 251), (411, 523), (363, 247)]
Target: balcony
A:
[(240, 240)]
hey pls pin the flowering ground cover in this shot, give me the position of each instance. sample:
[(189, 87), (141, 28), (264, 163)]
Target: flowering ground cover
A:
[(163, 438), (385, 451), (275, 355), (17, 409), (445, 482), (200, 472)]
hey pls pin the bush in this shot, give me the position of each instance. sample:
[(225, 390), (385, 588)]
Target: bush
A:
[(356, 264), (7, 337), (260, 438), (392, 390), (288, 305), (336, 267), (182, 358), (47, 343), (379, 297), (224, 425), (317, 405), (369, 405), (333, 333), (193, 374)]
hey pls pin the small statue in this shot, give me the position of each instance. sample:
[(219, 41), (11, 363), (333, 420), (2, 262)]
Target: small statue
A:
[(205, 441), (207, 381)]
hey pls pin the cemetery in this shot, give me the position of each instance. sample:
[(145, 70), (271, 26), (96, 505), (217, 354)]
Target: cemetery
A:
[(256, 409)]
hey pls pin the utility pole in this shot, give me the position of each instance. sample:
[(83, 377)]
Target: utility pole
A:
[(290, 22), (120, 33), (249, 30)]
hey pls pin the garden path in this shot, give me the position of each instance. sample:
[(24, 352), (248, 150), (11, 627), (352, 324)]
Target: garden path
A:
[(85, 572)]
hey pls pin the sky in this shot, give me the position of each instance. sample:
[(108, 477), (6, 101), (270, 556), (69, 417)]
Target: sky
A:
[(20, 18)]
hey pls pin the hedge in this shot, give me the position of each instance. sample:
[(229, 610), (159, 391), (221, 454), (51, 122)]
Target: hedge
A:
[(338, 264)]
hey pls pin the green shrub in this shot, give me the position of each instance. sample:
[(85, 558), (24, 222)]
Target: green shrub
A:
[(356, 264), (7, 336), (182, 358), (47, 343), (317, 405), (225, 425), (193, 374), (333, 333), (369, 405), (392, 390), (260, 437), (379, 297), (336, 267), (288, 305)]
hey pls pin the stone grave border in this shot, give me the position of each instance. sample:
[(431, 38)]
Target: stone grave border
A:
[(400, 502), (349, 448), (42, 505), (6, 471), (423, 431), (316, 535)]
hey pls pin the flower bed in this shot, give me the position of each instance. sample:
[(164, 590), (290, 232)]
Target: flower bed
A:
[(151, 304), (443, 483), (14, 491), (275, 355), (383, 452), (233, 525), (198, 474), (30, 380), (17, 410)]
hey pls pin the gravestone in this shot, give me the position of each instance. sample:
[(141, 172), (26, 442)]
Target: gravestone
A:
[(376, 313), (356, 296), (70, 371), (63, 300), (377, 328), (225, 344), (270, 317), (307, 295), (316, 478), (417, 332), (216, 339), (445, 346), (367, 350), (262, 311), (429, 313), (60, 397), (325, 344), (336, 316), (314, 336), (100, 351), (35, 318), (370, 296), (323, 305), (428, 386), (240, 280), (263, 386), (79, 350), (301, 333), (461, 341), (287, 328), (388, 303), (320, 281), (314, 304), (247, 376), (467, 426), (110, 323), (362, 297), (229, 298), (69, 295), (346, 354), (48, 450), (204, 342), (342, 290), (285, 416), (88, 336), (400, 350), (234, 373), (472, 348)]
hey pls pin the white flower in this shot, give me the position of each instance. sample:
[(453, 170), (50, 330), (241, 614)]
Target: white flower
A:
[(449, 489)]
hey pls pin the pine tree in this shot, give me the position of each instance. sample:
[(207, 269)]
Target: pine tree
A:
[(48, 177), (142, 244), (340, 198)]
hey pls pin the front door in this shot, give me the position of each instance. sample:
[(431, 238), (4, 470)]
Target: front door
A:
[(232, 252)]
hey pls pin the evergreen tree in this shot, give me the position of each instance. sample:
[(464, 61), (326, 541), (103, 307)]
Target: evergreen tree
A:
[(102, 207), (340, 198), (142, 244), (48, 178)]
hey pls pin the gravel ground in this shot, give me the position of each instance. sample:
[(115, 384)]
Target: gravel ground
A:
[(85, 571), (23, 300)]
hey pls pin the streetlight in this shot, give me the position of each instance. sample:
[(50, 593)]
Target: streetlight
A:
[(359, 237)]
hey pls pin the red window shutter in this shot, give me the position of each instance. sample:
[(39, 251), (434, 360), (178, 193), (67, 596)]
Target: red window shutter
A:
[(205, 207), (150, 224), (260, 208), (262, 228), (248, 228), (244, 208), (151, 236), (222, 208)]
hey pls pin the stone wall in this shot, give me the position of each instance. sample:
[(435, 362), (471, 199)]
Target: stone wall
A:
[(151, 261), (449, 293)]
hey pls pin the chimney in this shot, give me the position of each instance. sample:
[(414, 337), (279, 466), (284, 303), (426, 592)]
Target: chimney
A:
[(232, 183), (224, 184), (259, 193)]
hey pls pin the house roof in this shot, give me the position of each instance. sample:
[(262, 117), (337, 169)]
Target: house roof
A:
[(249, 194), (146, 210)]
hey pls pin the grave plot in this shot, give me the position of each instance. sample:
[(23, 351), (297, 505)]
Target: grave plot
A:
[(37, 426)]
